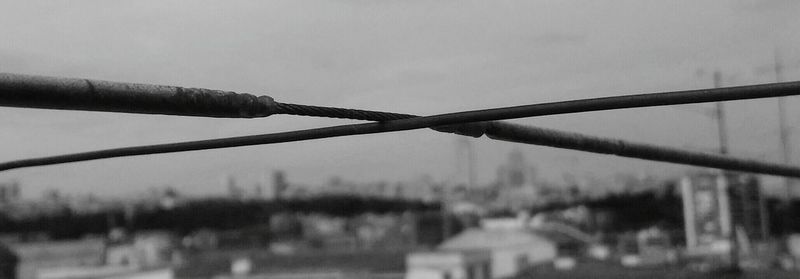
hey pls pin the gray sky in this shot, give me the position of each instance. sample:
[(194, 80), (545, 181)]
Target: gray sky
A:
[(422, 57)]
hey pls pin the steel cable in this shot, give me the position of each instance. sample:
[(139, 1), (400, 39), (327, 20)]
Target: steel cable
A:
[(59, 93), (496, 130), (81, 94)]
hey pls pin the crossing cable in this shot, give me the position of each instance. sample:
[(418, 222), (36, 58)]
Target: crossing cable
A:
[(495, 130)]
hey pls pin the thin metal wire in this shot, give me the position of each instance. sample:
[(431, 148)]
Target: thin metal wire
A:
[(306, 110), (496, 130)]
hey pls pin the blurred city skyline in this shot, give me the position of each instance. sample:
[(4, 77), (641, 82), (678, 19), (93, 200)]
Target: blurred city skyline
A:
[(409, 57)]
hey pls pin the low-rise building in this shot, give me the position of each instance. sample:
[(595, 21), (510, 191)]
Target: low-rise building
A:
[(475, 264), (146, 256), (36, 256), (142, 250), (511, 250), (8, 262), (105, 272), (260, 263)]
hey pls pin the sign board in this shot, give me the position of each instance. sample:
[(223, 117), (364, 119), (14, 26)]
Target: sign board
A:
[(706, 212)]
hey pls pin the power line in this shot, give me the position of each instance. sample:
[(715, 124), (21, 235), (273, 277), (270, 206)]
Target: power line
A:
[(495, 130), (722, 127), (82, 94), (452, 122), (96, 95), (575, 141)]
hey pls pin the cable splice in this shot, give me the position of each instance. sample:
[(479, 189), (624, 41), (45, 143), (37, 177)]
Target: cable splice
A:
[(368, 115), (471, 129)]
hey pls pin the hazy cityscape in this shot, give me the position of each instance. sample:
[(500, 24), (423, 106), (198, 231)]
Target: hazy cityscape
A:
[(345, 229), (270, 140)]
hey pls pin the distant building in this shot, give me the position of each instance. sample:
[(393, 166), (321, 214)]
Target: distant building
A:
[(647, 247), (106, 272), (516, 183), (747, 205), (511, 250), (518, 198), (33, 257), (475, 264), (87, 204), (143, 250), (8, 263), (279, 186), (9, 192), (234, 191), (145, 256), (612, 270), (260, 263), (203, 239), (516, 172)]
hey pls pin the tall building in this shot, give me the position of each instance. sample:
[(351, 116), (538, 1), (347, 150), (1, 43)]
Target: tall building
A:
[(234, 191), (516, 182), (747, 205), (279, 185), (516, 172), (9, 192)]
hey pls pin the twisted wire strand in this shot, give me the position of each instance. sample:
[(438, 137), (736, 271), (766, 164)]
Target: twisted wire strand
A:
[(332, 112)]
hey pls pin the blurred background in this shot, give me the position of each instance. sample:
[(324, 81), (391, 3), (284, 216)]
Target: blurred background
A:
[(393, 204)]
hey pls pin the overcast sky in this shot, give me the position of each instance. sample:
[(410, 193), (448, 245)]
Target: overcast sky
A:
[(421, 57)]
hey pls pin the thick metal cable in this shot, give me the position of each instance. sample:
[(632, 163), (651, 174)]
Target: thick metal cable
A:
[(547, 137), (96, 95)]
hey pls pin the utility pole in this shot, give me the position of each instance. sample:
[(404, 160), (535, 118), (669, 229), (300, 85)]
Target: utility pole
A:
[(778, 67), (720, 112), (470, 164), (784, 134), (722, 131), (463, 147)]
